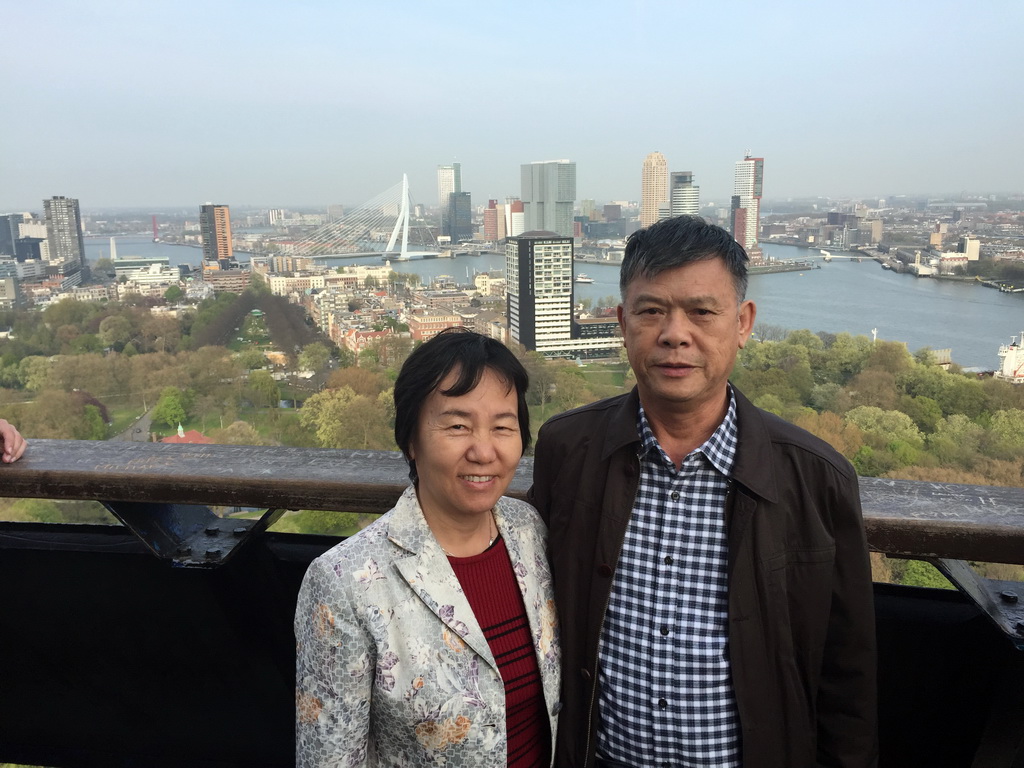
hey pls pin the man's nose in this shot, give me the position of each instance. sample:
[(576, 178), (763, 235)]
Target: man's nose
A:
[(677, 330)]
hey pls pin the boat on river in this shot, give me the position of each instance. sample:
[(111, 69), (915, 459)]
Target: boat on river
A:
[(584, 278)]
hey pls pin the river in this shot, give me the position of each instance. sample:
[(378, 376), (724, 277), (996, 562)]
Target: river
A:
[(971, 319)]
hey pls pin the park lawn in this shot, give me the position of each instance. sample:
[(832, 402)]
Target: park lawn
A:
[(606, 374), (294, 522)]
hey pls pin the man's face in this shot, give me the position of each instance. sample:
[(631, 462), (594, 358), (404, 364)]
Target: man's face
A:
[(682, 331)]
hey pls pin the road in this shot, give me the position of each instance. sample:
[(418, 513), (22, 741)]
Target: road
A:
[(138, 432)]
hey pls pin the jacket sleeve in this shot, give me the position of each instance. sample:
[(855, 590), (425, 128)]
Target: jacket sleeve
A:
[(333, 675), (847, 693)]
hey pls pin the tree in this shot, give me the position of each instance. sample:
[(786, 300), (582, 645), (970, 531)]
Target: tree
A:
[(891, 356), (362, 381), (874, 386), (174, 293), (343, 419), (263, 390), (34, 372), (170, 408), (251, 359), (314, 357), (115, 331), (69, 312), (570, 388), (542, 378), (1006, 434), (239, 433)]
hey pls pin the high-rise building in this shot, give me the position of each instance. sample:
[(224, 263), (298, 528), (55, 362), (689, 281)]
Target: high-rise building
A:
[(538, 272), (460, 217), (449, 182), (653, 187), (64, 233), (9, 232), (449, 179), (515, 217), (491, 219), (215, 229), (540, 295), (549, 195), (684, 195), (745, 216)]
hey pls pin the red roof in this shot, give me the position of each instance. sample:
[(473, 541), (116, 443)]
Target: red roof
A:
[(192, 436)]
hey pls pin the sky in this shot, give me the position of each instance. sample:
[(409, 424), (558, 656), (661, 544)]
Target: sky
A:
[(307, 103)]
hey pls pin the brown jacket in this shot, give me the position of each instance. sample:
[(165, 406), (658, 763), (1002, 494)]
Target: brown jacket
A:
[(801, 618)]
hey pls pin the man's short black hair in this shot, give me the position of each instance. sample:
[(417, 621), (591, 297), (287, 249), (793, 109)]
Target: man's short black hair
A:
[(454, 349), (681, 240)]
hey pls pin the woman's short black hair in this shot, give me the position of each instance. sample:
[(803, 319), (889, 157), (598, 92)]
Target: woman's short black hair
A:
[(469, 353)]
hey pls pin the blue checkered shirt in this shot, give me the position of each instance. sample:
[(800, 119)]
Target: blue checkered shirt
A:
[(666, 695)]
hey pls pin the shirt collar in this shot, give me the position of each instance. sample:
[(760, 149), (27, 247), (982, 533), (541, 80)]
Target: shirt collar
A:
[(719, 449)]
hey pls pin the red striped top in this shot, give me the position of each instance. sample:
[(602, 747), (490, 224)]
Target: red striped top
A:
[(492, 591)]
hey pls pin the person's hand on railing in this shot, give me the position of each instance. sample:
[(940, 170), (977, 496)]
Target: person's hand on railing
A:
[(13, 443)]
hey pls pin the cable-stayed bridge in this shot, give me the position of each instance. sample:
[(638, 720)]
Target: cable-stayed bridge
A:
[(380, 225)]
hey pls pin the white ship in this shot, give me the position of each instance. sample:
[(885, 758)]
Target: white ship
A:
[(583, 278), (1012, 357)]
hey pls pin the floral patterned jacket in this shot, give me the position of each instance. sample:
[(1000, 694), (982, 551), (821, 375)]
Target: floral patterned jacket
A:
[(392, 667)]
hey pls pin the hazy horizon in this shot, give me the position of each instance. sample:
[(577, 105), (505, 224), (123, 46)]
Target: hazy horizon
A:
[(163, 105)]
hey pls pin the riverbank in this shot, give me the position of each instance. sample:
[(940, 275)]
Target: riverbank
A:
[(789, 266)]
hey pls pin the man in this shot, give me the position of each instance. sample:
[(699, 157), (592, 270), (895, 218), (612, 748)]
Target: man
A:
[(710, 564)]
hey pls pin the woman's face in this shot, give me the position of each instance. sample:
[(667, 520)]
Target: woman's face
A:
[(466, 448)]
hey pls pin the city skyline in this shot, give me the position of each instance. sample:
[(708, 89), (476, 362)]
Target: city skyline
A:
[(324, 104)]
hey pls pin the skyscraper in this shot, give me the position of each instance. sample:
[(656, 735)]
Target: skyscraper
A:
[(540, 295), (215, 229), (653, 187), (548, 195), (9, 224), (746, 202), (493, 222), (449, 182), (684, 195), (460, 217), (64, 233), (515, 218), (538, 274)]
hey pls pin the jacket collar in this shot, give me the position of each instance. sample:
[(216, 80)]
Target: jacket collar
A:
[(426, 569), (754, 466), (622, 424)]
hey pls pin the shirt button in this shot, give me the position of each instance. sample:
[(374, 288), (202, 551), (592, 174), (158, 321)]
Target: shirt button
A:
[(664, 630), (662, 704), (604, 570), (669, 560), (675, 495)]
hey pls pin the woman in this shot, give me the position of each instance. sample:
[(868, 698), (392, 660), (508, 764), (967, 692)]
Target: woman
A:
[(429, 637)]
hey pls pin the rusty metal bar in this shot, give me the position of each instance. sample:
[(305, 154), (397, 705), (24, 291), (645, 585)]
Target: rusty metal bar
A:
[(965, 522)]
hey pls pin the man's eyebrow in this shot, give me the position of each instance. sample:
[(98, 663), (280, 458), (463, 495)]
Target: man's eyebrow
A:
[(650, 298)]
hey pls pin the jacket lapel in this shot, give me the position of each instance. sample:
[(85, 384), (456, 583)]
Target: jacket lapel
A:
[(527, 552), (430, 576)]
